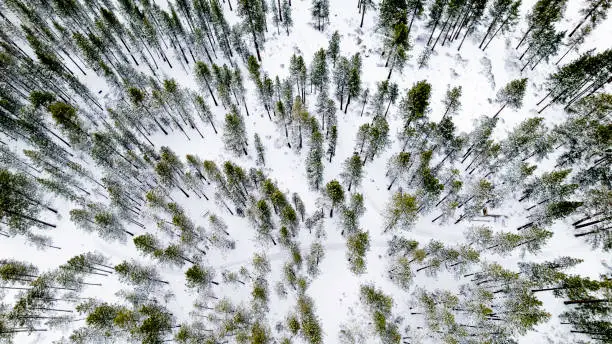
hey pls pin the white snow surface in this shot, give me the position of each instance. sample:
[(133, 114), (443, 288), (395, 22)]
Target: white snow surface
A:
[(336, 290)]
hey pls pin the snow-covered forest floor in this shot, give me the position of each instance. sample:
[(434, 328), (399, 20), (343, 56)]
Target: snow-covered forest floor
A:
[(335, 290)]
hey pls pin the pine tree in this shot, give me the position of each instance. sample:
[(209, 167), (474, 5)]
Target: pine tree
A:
[(352, 171), (595, 13), (259, 148), (341, 78), (451, 101), (357, 245), (333, 138), (320, 13), (234, 134), (415, 104), (138, 275), (401, 210), (542, 16), (377, 138), (287, 19), (398, 167), (200, 278), (254, 20), (333, 51), (512, 95), (319, 74), (354, 80), (335, 194), (20, 204), (364, 5), (399, 46), (391, 13), (504, 15), (314, 163)]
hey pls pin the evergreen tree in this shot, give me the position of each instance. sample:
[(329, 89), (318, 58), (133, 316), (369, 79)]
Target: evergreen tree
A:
[(314, 163), (401, 210), (352, 171), (234, 134), (138, 275), (333, 51), (320, 13), (200, 278), (287, 19), (318, 70), (259, 148), (503, 15), (451, 101), (353, 80), (415, 104), (377, 138), (398, 167), (333, 138), (357, 246), (512, 95), (254, 19), (335, 194)]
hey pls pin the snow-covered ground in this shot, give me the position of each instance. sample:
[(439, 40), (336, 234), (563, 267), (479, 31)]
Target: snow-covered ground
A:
[(336, 290)]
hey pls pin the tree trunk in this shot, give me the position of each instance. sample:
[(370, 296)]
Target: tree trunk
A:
[(500, 110), (362, 15), (29, 218), (488, 32), (585, 18), (572, 302), (280, 12), (567, 52), (412, 19), (524, 37), (432, 31)]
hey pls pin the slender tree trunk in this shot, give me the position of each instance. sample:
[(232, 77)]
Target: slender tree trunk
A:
[(500, 110), (583, 301), (567, 52), (524, 37), (362, 15), (585, 17), (432, 31), (496, 32), (29, 218), (487, 33)]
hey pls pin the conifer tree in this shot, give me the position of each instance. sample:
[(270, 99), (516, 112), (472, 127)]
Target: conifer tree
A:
[(320, 13), (287, 19), (333, 51), (319, 71), (253, 16), (451, 101), (259, 148), (398, 167), (314, 161), (234, 134), (503, 15), (138, 275), (512, 95), (415, 104), (357, 245), (200, 278), (352, 171), (353, 80), (401, 210), (335, 194), (333, 138), (377, 138)]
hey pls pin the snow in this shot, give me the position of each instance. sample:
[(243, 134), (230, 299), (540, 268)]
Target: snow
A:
[(336, 290)]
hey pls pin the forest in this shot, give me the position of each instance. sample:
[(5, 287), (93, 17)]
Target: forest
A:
[(305, 171)]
